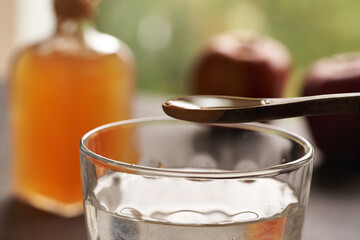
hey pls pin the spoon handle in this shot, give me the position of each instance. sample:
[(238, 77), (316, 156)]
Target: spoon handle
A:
[(277, 108), (237, 110)]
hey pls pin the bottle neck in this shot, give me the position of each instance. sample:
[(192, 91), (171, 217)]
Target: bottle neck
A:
[(69, 27), (72, 15)]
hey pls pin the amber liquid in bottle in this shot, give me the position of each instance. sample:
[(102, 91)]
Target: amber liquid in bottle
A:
[(60, 89)]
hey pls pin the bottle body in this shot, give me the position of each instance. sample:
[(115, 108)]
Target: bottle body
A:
[(56, 96)]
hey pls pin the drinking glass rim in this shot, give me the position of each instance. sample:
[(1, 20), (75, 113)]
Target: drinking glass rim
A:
[(219, 174)]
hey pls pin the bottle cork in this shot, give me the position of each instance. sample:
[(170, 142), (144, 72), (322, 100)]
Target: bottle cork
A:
[(75, 9)]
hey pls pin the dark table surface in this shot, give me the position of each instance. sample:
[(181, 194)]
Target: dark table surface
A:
[(333, 212)]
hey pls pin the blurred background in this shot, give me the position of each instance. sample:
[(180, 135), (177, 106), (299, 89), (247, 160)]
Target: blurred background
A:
[(309, 29), (166, 38)]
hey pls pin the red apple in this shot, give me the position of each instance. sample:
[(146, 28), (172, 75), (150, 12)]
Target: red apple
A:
[(242, 63), (337, 136)]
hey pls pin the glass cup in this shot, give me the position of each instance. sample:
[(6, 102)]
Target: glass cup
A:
[(165, 179)]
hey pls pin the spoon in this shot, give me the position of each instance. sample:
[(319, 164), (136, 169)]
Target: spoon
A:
[(226, 109)]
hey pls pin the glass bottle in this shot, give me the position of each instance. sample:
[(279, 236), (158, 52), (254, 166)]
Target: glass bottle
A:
[(61, 88)]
